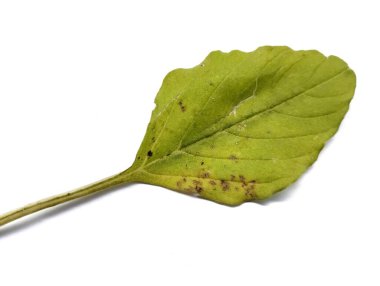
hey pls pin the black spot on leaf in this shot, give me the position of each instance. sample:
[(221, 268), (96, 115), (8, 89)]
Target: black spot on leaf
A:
[(183, 108)]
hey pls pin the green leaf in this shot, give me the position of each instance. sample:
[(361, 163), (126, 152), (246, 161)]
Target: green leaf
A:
[(238, 127), (243, 126)]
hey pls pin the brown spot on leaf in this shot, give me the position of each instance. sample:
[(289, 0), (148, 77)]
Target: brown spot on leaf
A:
[(250, 194), (233, 178), (232, 157), (249, 189), (202, 163), (198, 189), (225, 185), (150, 153), (196, 182), (212, 183), (183, 108), (205, 175)]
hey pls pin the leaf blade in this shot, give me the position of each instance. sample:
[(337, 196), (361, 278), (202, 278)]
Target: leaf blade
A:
[(242, 126)]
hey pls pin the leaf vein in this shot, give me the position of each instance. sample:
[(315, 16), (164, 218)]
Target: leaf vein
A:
[(313, 116), (244, 159), (269, 109), (279, 138)]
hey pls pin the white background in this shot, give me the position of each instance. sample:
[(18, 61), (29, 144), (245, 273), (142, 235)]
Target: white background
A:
[(77, 84)]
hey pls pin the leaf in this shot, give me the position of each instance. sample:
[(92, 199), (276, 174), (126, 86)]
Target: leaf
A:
[(243, 126), (238, 127)]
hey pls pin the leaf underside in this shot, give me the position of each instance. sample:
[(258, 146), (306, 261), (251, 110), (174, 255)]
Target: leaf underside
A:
[(243, 126)]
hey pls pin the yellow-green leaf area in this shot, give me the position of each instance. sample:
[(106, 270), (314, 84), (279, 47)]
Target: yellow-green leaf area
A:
[(242, 126)]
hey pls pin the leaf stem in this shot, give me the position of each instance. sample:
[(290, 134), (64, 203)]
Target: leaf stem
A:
[(65, 197)]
